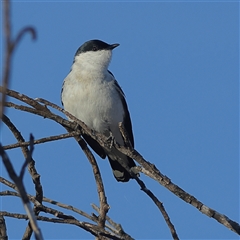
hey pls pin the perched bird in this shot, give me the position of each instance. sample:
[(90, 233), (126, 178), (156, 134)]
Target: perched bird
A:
[(91, 93)]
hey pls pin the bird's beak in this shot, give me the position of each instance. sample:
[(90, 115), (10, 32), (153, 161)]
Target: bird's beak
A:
[(112, 46)]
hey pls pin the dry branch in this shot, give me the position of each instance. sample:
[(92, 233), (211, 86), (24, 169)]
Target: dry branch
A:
[(31, 168), (58, 213), (42, 140), (75, 129), (104, 207), (10, 47), (149, 168), (115, 227), (3, 229), (92, 228), (18, 180)]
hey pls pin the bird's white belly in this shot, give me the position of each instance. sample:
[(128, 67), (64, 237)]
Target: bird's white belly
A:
[(97, 105)]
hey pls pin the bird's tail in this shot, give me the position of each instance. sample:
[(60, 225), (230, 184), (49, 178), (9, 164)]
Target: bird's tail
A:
[(119, 172)]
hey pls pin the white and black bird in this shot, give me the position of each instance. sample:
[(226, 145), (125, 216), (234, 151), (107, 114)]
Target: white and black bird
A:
[(91, 93)]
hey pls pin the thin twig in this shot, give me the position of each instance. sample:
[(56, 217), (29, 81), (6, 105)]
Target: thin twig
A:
[(53, 202), (10, 47), (35, 201), (93, 229), (153, 171), (3, 229), (116, 228), (24, 98), (38, 205), (21, 189), (166, 182), (43, 112), (8, 183), (28, 158), (43, 140), (22, 32), (69, 115), (8, 52), (104, 207), (159, 204), (31, 167), (71, 208)]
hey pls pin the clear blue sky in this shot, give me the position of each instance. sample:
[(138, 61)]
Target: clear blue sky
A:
[(178, 64)]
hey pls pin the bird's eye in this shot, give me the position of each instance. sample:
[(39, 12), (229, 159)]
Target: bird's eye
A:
[(94, 48)]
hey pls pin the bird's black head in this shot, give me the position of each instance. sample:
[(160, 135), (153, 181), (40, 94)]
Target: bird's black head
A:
[(95, 45)]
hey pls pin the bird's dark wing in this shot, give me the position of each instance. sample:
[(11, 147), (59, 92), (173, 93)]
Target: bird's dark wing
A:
[(94, 145), (126, 119), (120, 173)]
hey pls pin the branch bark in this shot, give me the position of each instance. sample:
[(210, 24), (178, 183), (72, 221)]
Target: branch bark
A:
[(75, 129), (113, 228), (3, 229), (18, 180), (146, 167)]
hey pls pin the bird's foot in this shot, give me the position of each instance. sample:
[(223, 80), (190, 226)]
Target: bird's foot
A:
[(93, 132), (111, 139), (135, 171)]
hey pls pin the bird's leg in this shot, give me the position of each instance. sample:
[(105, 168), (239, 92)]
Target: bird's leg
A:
[(93, 132), (111, 139)]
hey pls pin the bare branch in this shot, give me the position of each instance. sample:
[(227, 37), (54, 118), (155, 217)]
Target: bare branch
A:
[(21, 189), (22, 32), (35, 200), (8, 183), (153, 171), (104, 207), (83, 126), (116, 228), (102, 197), (7, 61), (43, 140), (31, 165), (93, 229), (149, 168), (71, 208), (145, 189), (28, 158), (10, 47), (18, 180), (166, 182), (25, 99), (3, 229), (39, 109), (45, 209)]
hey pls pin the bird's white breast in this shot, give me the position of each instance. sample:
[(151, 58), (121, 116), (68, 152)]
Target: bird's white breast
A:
[(93, 99)]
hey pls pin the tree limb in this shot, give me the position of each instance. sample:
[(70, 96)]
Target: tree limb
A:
[(21, 189), (3, 229), (149, 168), (10, 47)]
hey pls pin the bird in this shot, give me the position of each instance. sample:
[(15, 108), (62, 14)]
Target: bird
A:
[(91, 93)]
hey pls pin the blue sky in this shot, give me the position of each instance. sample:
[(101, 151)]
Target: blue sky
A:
[(178, 64)]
